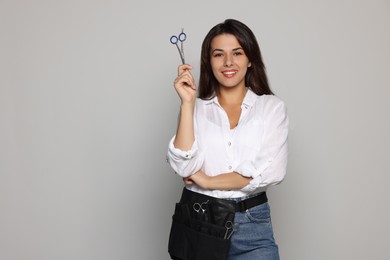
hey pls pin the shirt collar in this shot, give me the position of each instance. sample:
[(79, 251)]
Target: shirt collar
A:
[(249, 99)]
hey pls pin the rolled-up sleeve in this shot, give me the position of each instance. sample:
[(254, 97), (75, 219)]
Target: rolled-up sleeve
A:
[(185, 163), (270, 164)]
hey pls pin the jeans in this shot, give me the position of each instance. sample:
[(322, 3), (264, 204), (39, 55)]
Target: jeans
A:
[(252, 237)]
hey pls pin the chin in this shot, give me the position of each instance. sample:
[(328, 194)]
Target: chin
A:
[(231, 85)]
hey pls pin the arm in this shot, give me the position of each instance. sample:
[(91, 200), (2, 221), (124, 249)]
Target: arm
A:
[(185, 87), (183, 154), (225, 181)]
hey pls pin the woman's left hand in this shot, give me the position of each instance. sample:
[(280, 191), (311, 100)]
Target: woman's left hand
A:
[(199, 178)]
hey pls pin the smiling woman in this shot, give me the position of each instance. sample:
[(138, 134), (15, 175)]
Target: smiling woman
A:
[(230, 146), (228, 61)]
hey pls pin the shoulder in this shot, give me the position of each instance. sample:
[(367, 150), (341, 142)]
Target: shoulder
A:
[(201, 106), (270, 102), (203, 102), (271, 99)]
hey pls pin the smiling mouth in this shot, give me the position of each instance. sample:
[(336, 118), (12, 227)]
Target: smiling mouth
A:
[(229, 73)]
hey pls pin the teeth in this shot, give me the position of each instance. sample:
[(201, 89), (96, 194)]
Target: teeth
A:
[(229, 72)]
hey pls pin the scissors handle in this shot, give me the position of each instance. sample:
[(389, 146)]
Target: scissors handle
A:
[(228, 226), (173, 39), (182, 37)]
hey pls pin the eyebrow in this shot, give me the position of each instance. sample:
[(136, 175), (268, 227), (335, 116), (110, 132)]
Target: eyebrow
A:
[(235, 49)]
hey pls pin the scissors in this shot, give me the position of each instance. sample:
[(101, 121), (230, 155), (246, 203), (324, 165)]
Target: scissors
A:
[(228, 226), (175, 40), (200, 208)]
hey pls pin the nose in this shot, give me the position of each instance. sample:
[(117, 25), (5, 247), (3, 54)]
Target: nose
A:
[(228, 62)]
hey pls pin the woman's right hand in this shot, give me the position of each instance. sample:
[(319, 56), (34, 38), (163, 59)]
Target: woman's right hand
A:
[(185, 84)]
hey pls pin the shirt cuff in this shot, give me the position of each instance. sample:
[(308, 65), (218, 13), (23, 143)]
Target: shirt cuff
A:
[(248, 169), (253, 184), (180, 154)]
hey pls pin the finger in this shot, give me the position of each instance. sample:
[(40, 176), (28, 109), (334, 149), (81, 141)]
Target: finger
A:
[(189, 79), (187, 181), (185, 80), (184, 67)]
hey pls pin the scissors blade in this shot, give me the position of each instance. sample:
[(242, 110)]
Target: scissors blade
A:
[(181, 56)]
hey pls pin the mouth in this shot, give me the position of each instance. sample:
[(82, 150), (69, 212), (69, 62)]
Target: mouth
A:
[(229, 73)]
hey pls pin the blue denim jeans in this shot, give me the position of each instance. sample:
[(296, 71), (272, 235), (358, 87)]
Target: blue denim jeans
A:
[(252, 237)]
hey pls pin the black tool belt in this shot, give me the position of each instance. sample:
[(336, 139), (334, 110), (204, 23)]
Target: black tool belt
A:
[(202, 225)]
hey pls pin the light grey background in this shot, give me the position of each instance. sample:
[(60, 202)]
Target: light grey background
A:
[(87, 108)]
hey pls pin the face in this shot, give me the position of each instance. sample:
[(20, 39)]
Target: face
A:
[(228, 61)]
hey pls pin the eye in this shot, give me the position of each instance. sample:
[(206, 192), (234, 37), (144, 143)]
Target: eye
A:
[(217, 54), (237, 53)]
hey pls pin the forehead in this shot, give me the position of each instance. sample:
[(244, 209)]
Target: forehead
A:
[(225, 42)]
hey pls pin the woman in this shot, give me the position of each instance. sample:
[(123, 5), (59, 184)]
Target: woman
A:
[(231, 141)]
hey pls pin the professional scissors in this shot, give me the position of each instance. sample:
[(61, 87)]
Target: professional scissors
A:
[(228, 226), (175, 40), (200, 209)]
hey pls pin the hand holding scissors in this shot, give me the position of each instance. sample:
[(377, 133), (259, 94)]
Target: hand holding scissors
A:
[(175, 40)]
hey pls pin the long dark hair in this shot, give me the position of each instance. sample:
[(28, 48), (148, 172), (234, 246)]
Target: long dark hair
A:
[(255, 78)]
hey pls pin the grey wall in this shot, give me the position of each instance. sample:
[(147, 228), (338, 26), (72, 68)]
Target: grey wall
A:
[(87, 108)]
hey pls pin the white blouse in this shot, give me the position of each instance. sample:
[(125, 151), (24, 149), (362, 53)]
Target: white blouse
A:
[(256, 148)]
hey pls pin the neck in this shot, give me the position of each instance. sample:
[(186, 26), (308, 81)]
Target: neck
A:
[(231, 96)]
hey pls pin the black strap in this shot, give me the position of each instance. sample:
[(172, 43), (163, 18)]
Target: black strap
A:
[(243, 205)]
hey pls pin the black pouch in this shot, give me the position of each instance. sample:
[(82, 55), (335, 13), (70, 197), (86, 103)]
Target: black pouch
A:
[(201, 228)]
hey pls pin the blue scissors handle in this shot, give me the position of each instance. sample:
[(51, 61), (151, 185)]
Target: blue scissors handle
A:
[(174, 39), (182, 37)]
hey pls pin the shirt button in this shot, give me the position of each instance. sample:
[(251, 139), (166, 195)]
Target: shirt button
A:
[(229, 143), (230, 167)]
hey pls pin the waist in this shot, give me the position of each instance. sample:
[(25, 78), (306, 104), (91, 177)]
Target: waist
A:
[(238, 204), (226, 194)]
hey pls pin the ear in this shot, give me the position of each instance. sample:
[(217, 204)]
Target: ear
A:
[(249, 64)]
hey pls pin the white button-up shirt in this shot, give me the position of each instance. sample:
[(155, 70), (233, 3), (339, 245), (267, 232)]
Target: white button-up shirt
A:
[(256, 147)]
